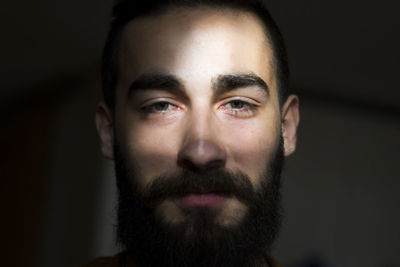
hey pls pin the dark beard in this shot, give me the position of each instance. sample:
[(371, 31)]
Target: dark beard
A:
[(199, 241)]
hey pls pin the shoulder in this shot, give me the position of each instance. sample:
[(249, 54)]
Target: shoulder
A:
[(273, 263), (114, 261)]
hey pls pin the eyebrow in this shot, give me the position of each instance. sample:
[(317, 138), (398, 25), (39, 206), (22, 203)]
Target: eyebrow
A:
[(232, 82), (222, 83), (155, 81)]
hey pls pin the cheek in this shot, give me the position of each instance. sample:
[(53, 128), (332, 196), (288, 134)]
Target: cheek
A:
[(251, 147), (152, 151)]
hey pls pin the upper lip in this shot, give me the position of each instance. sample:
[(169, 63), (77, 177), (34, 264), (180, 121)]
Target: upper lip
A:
[(203, 192)]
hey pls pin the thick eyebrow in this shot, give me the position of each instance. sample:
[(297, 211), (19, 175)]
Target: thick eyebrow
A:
[(170, 82), (231, 82), (155, 81)]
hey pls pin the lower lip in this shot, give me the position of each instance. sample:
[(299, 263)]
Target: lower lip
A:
[(203, 200)]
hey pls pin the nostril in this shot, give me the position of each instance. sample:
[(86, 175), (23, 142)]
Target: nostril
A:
[(208, 166), (215, 164), (188, 164)]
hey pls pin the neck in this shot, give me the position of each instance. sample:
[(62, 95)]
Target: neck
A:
[(134, 260)]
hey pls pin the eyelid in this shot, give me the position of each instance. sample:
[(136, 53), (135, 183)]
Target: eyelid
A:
[(244, 99), (145, 96), (148, 105), (156, 100), (250, 107)]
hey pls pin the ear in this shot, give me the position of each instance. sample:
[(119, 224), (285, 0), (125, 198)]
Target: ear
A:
[(290, 120), (105, 129)]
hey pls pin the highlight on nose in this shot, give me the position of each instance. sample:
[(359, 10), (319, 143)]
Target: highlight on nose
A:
[(201, 155)]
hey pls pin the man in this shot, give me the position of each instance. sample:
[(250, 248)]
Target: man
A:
[(198, 118)]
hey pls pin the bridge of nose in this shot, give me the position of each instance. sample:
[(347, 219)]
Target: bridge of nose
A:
[(201, 148)]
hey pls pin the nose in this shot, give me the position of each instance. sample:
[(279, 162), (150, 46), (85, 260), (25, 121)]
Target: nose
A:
[(201, 150)]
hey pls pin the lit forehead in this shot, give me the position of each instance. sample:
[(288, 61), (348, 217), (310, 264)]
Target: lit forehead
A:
[(197, 40)]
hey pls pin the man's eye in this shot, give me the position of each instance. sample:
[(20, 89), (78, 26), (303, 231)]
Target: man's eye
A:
[(159, 107), (239, 108), (239, 105)]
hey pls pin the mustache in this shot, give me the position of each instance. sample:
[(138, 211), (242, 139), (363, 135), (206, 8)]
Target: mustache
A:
[(217, 181)]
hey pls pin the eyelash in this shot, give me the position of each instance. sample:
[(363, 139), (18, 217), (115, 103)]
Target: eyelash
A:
[(246, 109), (152, 108)]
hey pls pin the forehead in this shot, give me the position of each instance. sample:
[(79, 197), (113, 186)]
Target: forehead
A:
[(196, 44)]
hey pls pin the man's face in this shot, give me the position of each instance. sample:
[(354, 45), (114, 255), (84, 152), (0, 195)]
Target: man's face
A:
[(196, 99)]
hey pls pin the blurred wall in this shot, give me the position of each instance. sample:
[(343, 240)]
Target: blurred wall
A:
[(341, 189), (74, 180)]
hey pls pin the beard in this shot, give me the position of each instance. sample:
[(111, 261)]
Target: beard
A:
[(199, 240)]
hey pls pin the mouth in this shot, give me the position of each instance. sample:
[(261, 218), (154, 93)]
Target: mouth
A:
[(209, 199)]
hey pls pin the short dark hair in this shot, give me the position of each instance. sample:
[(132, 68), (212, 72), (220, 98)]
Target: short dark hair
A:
[(126, 10)]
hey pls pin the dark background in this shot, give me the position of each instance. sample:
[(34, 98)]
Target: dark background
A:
[(341, 188)]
